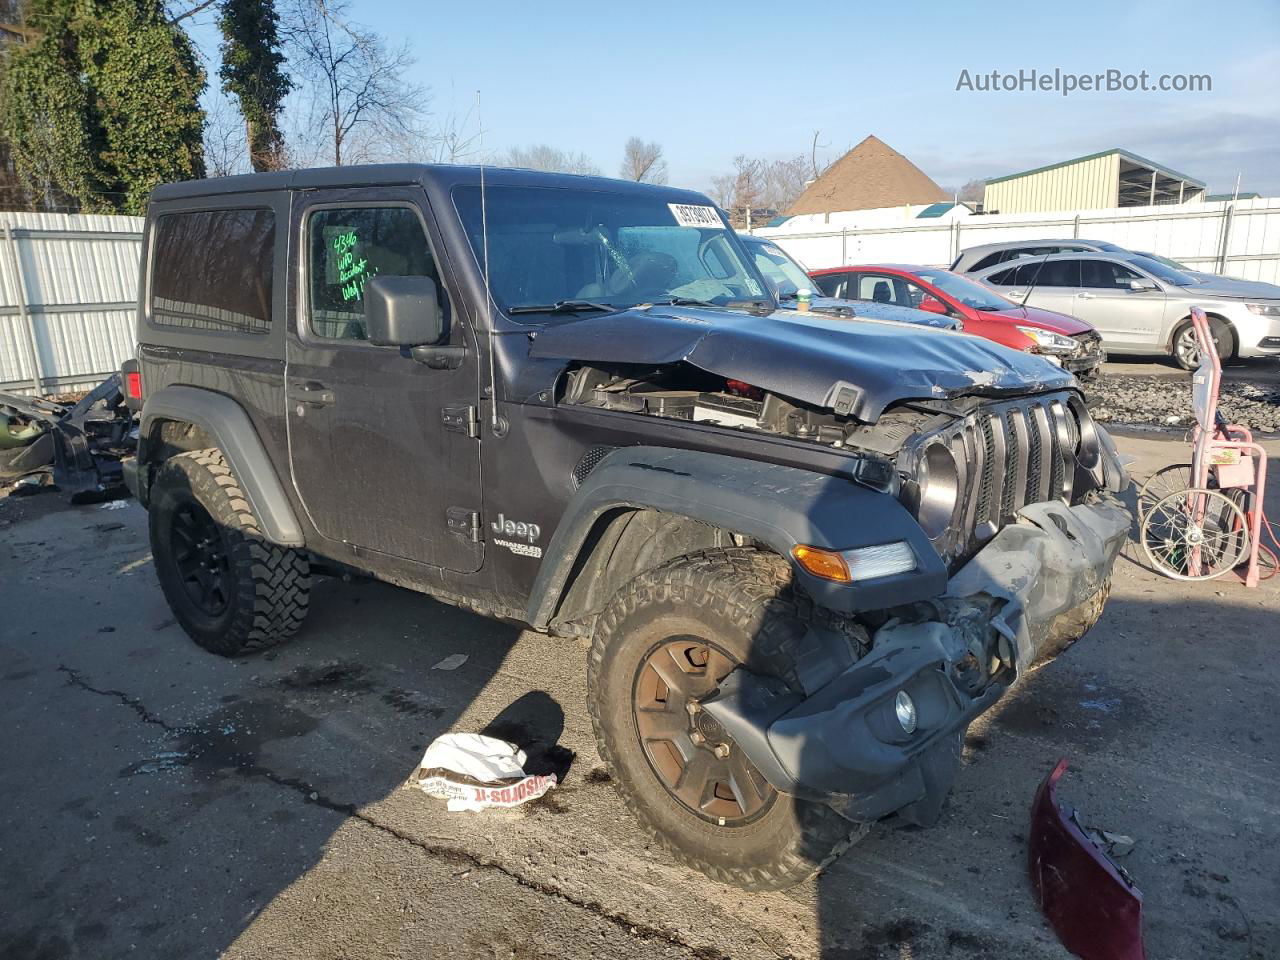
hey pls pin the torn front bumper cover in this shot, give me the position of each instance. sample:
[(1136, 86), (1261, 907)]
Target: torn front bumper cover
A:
[(844, 744)]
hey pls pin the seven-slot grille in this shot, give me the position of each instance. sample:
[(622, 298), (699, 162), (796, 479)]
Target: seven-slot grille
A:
[(1007, 455)]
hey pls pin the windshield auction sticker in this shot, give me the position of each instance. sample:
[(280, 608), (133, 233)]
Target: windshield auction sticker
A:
[(692, 215)]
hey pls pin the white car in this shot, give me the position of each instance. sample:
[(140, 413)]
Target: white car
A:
[(1140, 305)]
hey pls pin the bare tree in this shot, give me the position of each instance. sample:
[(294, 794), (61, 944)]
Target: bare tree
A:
[(226, 147), (642, 161), (784, 181), (354, 84), (722, 189), (543, 157), (814, 147)]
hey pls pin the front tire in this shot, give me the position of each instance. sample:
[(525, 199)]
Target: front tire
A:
[(230, 588), (1187, 352), (668, 638)]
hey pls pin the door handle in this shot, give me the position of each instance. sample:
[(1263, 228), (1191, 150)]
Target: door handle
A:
[(311, 393), (1086, 296)]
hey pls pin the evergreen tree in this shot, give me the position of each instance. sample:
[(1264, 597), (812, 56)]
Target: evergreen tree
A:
[(104, 104), (252, 73)]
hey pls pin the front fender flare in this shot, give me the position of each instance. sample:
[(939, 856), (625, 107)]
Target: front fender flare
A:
[(232, 431), (777, 505)]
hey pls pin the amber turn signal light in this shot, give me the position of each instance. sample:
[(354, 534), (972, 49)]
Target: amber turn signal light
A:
[(827, 564)]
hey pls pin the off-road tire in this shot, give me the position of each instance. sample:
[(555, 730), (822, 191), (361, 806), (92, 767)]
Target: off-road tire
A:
[(1070, 626), (741, 599), (270, 583)]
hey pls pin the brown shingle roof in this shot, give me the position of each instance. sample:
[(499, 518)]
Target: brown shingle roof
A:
[(870, 175)]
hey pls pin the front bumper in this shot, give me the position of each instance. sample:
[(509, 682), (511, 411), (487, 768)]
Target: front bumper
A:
[(843, 745)]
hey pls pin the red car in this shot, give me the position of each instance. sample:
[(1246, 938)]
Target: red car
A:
[(1065, 340)]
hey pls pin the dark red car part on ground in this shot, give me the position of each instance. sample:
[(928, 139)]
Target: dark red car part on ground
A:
[(1089, 901)]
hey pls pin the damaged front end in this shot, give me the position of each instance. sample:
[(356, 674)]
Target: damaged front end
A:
[(884, 735), (992, 453)]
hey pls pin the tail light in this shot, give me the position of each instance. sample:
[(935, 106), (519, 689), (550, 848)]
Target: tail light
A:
[(132, 382)]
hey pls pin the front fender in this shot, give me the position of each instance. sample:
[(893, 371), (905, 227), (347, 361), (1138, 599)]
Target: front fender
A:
[(776, 505)]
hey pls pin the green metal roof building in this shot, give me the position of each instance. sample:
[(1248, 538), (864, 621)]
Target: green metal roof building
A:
[(1113, 178)]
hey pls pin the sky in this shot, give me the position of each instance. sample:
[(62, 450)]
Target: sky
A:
[(712, 80)]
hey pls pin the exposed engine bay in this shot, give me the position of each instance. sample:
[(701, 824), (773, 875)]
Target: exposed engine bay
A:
[(684, 392), (964, 466)]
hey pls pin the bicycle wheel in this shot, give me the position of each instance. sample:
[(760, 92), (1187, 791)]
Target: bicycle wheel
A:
[(1166, 480), (1195, 534)]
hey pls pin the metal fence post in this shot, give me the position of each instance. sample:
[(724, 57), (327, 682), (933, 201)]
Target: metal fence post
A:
[(25, 320), (1075, 228), (1226, 236)]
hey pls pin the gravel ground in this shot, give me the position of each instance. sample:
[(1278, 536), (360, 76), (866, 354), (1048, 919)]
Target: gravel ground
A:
[(1166, 401)]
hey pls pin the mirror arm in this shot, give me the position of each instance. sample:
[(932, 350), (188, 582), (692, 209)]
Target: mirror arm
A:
[(438, 358)]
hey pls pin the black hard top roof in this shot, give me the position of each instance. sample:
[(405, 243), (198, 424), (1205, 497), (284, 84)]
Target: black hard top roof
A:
[(444, 176)]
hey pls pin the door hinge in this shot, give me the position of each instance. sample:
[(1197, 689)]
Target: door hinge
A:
[(464, 420), (464, 523)]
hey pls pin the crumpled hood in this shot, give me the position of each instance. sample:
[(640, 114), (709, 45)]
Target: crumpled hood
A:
[(853, 368), (1230, 288)]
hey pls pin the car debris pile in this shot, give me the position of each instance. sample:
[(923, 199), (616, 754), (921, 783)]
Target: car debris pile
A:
[(73, 448), (1162, 401)]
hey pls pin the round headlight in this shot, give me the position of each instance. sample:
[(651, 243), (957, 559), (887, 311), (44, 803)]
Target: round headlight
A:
[(939, 487), (905, 710)]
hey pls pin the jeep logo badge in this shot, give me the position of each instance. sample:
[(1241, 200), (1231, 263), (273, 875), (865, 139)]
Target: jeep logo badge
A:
[(512, 528)]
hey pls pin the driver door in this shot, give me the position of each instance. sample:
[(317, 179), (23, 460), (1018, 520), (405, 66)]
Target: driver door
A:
[(379, 447)]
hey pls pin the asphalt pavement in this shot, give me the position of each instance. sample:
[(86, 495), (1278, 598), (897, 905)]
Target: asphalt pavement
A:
[(167, 803)]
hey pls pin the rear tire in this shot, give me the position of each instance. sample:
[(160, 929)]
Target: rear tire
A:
[(231, 589), (736, 606)]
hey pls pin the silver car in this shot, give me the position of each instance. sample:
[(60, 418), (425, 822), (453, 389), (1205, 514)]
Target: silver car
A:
[(985, 255), (974, 260), (1139, 305)]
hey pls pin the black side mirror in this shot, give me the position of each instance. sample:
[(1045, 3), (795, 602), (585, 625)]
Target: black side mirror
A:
[(404, 312)]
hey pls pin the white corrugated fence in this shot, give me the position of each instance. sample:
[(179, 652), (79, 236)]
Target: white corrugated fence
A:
[(1240, 238), (68, 299)]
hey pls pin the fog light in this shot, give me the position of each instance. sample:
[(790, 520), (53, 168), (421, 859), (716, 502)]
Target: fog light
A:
[(905, 708)]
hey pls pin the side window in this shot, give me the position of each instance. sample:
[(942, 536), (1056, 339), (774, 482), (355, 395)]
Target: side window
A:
[(990, 260), (212, 270), (831, 284), (1003, 278), (1107, 275), (348, 246), (1059, 273), (881, 289)]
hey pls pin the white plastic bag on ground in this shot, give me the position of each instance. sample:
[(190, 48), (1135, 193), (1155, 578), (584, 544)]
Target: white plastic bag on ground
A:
[(471, 772)]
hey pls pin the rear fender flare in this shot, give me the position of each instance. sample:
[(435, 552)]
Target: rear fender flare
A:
[(776, 505), (231, 430)]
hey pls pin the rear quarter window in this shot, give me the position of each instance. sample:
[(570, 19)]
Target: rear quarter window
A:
[(212, 270)]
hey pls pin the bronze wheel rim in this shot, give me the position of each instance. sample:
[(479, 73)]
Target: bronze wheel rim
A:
[(689, 752)]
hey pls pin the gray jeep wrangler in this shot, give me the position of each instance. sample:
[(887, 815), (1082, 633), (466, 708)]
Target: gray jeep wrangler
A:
[(806, 550)]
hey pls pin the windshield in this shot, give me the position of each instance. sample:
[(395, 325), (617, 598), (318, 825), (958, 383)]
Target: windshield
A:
[(1157, 269), (968, 292), (784, 274), (1171, 264), (547, 245)]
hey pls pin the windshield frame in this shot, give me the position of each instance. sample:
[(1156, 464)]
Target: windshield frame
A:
[(746, 268)]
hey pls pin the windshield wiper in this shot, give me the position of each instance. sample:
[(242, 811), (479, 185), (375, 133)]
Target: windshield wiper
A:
[(562, 306), (686, 302)]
